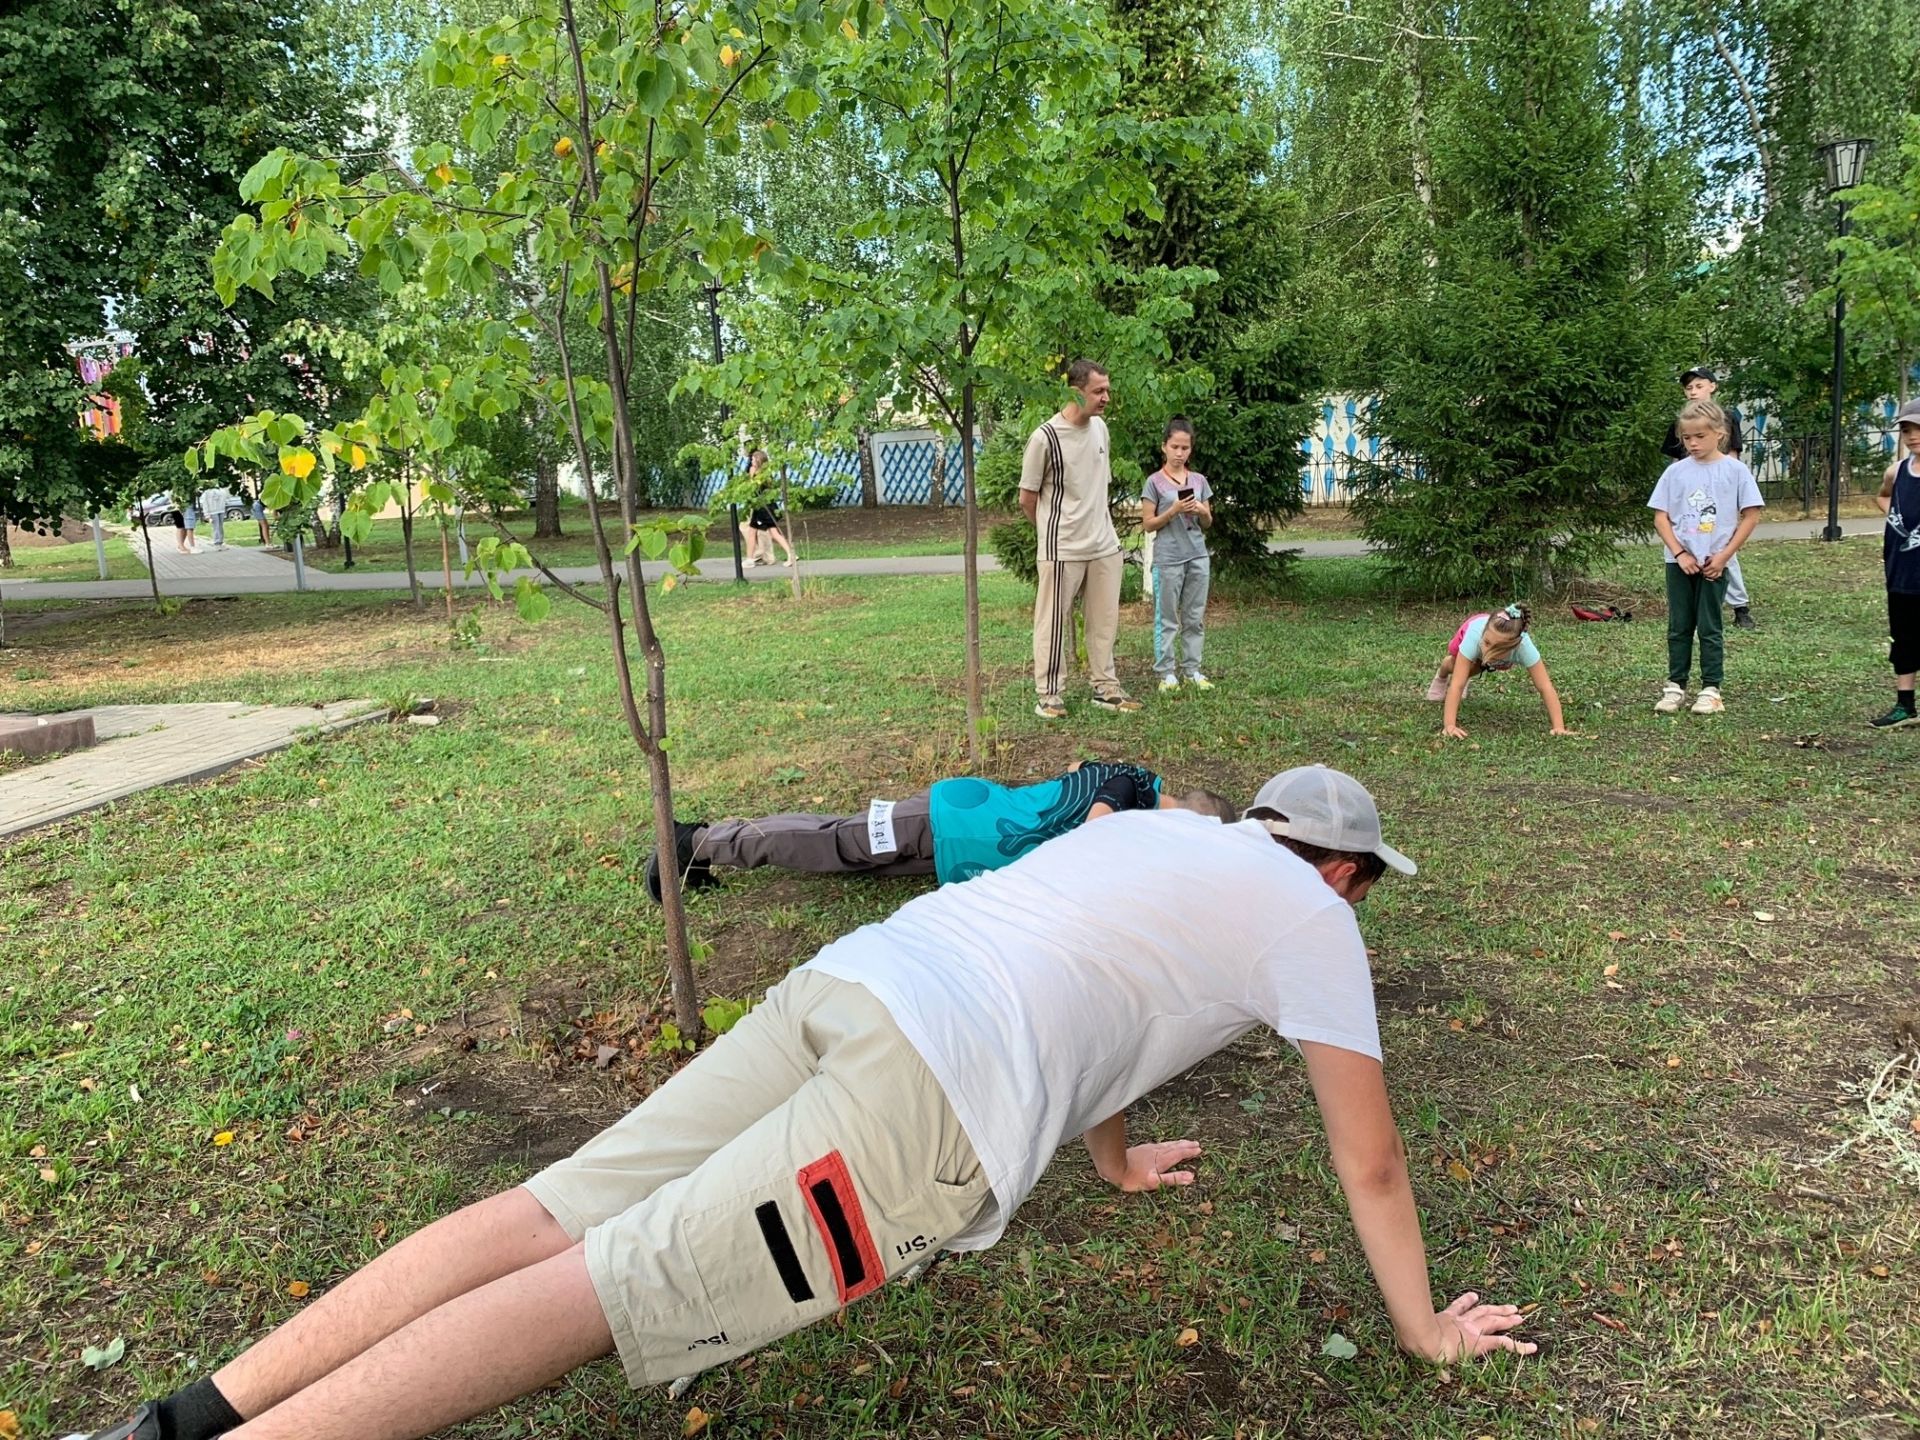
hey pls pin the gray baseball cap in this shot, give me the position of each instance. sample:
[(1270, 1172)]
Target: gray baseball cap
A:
[(1328, 808), (1909, 414)]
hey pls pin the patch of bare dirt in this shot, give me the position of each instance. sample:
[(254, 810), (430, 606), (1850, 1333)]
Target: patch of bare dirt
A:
[(183, 648), (69, 532)]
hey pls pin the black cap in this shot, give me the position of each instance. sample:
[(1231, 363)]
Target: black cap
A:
[(1700, 372)]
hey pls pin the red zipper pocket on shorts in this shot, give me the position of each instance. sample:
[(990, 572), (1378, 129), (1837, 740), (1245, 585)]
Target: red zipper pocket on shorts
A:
[(843, 1226)]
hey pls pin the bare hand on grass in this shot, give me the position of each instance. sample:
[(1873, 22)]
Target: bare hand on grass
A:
[(1152, 1165), (1467, 1329)]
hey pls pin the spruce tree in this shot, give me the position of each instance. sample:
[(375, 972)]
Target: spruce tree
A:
[(1526, 388), (1222, 210)]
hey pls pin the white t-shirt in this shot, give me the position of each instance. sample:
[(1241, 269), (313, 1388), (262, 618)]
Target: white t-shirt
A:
[(1052, 994)]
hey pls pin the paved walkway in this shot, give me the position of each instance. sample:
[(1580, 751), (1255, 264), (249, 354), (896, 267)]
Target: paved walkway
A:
[(230, 562), (146, 745), (207, 582)]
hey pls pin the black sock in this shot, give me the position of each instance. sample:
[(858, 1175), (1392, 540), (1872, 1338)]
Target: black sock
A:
[(199, 1412), (1904, 699)]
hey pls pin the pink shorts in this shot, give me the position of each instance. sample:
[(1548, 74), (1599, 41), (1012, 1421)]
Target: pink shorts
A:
[(1453, 645)]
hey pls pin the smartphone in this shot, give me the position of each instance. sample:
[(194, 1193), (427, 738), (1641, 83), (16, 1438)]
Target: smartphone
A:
[(1186, 493)]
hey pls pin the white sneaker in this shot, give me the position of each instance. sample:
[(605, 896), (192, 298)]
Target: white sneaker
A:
[(1671, 699), (1708, 701), (1168, 682), (1199, 681)]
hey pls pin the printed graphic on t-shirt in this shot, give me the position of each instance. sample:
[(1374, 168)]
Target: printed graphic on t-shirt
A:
[(1709, 514)]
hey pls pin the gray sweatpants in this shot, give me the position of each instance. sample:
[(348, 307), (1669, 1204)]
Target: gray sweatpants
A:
[(1736, 585), (1180, 614), (825, 844)]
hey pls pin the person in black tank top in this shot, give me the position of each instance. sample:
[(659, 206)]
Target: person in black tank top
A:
[(1899, 500)]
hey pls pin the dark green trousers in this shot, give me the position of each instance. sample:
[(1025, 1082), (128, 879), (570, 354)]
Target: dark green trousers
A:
[(1693, 604)]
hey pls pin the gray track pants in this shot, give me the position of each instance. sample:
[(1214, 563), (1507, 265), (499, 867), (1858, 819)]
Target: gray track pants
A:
[(825, 844), (1180, 615), (1736, 585)]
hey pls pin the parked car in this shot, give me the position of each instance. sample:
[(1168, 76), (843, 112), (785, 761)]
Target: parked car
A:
[(154, 510), (158, 509)]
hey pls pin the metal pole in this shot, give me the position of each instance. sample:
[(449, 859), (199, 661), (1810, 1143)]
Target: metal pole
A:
[(99, 548), (1832, 532), (299, 564), (349, 548)]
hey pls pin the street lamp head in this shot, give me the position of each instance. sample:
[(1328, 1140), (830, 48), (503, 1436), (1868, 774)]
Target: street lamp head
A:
[(1846, 162)]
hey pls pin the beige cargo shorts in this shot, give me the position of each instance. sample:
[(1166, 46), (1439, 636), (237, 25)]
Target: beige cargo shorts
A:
[(800, 1163)]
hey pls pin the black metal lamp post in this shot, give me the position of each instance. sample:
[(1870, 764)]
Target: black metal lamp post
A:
[(1846, 162)]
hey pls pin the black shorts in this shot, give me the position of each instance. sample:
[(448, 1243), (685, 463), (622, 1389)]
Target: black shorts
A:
[(1903, 626), (762, 518)]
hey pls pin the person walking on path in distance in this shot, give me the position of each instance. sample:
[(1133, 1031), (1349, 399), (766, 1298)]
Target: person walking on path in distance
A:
[(898, 1095), (1704, 508), (1899, 500), (1176, 507), (183, 523), (1065, 477), (763, 525), (1700, 383)]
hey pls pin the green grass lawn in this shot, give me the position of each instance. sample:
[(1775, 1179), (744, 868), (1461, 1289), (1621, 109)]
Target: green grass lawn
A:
[(76, 562), (254, 1030)]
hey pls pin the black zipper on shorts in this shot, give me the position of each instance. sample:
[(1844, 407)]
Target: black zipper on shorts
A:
[(785, 1258)]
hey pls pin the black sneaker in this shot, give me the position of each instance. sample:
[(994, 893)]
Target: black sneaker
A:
[(1898, 718), (144, 1424), (694, 874), (1743, 618)]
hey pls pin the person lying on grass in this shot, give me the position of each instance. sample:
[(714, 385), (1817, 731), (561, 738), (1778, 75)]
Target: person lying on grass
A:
[(1491, 640), (957, 829), (897, 1095)]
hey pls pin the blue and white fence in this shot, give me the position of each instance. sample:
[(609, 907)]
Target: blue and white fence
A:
[(904, 459), (903, 465)]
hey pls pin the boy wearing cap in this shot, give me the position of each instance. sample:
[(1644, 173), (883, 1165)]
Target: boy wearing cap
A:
[(899, 1094), (1700, 383), (1899, 500), (955, 830)]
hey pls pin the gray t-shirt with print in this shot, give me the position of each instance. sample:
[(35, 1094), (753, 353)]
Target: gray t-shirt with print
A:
[(1181, 538), (1703, 500)]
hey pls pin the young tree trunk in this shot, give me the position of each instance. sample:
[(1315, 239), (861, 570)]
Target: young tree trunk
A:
[(546, 499), (972, 568), (786, 514), (650, 734), (446, 563), (6, 545), (869, 474), (153, 574), (406, 541)]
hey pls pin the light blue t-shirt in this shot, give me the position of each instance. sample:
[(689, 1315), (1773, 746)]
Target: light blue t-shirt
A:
[(1526, 654), (1704, 501), (980, 826)]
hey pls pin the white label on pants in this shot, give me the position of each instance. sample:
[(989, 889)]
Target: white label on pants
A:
[(880, 828)]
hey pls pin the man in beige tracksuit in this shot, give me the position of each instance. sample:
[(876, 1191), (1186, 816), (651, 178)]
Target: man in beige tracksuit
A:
[(1064, 480)]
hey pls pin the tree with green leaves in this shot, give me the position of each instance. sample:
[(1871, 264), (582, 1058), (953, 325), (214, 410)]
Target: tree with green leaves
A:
[(1523, 387), (1222, 211), (988, 119), (1880, 257), (615, 106), (125, 129)]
